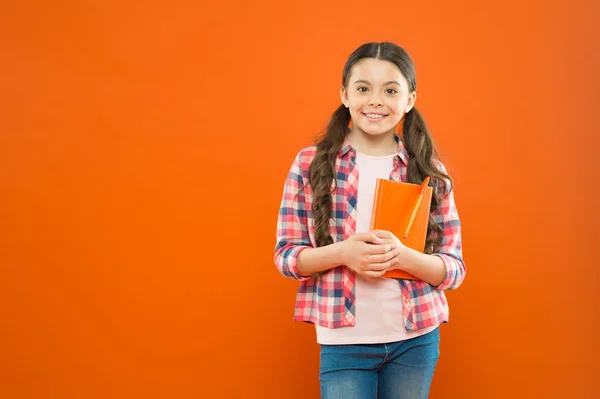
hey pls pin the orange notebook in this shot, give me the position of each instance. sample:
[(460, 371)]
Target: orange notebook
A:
[(393, 210)]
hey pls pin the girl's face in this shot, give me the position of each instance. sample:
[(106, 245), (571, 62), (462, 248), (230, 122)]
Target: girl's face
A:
[(377, 96)]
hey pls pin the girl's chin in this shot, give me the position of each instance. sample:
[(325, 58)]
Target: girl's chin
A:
[(370, 131)]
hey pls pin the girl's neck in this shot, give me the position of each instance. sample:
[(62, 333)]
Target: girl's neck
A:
[(379, 145)]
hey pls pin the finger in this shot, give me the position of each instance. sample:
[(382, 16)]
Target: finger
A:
[(382, 258), (383, 234), (386, 241), (376, 267), (368, 237), (374, 274), (380, 249)]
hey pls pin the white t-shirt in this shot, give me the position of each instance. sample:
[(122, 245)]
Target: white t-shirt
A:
[(378, 306)]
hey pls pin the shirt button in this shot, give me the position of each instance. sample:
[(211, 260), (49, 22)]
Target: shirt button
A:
[(406, 301), (395, 175)]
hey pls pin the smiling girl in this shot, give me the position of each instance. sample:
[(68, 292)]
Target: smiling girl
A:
[(379, 337)]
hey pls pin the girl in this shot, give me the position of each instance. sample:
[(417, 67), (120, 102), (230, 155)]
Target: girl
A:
[(379, 337)]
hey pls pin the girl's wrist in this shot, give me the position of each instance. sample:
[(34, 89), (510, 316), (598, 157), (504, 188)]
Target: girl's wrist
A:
[(338, 253), (405, 258)]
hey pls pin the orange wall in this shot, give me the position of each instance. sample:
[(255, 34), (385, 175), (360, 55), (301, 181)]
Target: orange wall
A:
[(143, 149)]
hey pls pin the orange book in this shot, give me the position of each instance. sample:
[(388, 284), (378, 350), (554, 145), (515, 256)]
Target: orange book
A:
[(395, 206)]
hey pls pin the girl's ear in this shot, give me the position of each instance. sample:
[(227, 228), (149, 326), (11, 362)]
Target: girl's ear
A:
[(412, 98), (344, 96)]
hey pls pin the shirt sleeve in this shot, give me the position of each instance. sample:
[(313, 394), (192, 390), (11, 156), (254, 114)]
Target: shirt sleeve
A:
[(292, 224), (450, 250)]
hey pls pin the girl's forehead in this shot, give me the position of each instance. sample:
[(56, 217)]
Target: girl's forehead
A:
[(375, 71)]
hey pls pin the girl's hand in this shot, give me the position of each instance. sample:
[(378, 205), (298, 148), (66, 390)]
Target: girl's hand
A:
[(366, 255), (388, 238)]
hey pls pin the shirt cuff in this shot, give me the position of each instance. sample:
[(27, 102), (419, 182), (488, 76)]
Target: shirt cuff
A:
[(291, 260), (453, 271)]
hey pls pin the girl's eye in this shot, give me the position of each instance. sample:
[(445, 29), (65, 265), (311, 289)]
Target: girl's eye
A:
[(391, 91), (362, 89)]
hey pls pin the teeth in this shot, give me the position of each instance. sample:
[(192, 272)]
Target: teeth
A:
[(374, 116)]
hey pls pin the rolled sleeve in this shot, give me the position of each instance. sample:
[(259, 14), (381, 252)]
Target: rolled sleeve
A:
[(455, 272), (292, 225), (450, 250)]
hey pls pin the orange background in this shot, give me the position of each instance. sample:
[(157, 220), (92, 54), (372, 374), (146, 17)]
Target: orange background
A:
[(143, 151)]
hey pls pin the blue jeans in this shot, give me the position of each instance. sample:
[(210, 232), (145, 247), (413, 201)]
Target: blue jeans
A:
[(396, 370)]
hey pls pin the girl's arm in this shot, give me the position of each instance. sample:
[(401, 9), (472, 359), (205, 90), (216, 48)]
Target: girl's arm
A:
[(361, 252), (315, 260), (450, 251), (292, 224), (429, 268)]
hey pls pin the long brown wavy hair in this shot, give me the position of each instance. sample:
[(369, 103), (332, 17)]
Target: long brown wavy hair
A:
[(416, 138)]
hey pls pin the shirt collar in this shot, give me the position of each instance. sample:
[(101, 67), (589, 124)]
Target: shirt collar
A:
[(346, 147)]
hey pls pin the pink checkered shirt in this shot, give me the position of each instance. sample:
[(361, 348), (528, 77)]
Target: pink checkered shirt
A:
[(329, 299)]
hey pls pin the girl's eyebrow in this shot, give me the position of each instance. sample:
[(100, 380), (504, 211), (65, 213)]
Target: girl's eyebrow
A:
[(388, 82)]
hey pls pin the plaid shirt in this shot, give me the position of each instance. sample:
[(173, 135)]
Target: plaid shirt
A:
[(329, 299)]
